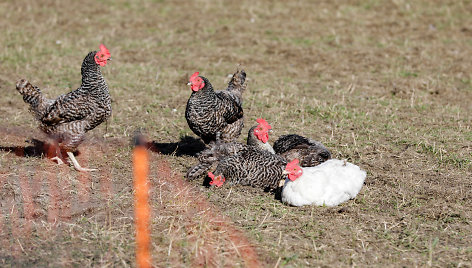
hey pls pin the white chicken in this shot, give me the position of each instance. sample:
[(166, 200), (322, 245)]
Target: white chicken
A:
[(330, 183)]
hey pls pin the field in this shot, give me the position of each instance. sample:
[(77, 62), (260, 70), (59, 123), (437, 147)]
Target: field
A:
[(384, 84)]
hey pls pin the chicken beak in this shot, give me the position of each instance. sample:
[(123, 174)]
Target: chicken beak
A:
[(281, 183)]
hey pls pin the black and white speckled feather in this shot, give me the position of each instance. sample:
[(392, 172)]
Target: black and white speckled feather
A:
[(209, 112), (309, 152), (253, 167), (218, 150), (71, 115)]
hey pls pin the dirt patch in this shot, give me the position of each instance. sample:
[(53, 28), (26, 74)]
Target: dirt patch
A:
[(220, 242)]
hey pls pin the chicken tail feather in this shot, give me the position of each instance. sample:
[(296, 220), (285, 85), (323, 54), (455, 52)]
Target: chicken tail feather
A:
[(33, 96), (237, 82)]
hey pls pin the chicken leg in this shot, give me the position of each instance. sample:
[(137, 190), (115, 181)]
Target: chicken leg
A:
[(58, 159), (77, 165), (55, 146)]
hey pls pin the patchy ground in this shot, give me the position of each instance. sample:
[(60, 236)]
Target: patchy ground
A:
[(384, 84)]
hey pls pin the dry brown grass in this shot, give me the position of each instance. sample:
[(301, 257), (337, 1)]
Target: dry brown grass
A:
[(385, 84)]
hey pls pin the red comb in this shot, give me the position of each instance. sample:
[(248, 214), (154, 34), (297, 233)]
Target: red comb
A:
[(262, 130), (211, 175), (218, 181), (263, 123), (293, 169), (195, 75), (104, 49), (102, 56)]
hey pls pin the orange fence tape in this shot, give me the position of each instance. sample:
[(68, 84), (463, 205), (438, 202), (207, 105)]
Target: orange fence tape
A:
[(142, 210)]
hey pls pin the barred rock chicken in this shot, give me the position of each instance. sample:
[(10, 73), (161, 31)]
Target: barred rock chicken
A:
[(257, 137), (255, 165), (209, 112), (330, 183), (255, 168), (309, 152), (67, 118)]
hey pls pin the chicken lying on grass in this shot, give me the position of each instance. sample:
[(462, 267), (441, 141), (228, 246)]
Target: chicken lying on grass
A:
[(67, 118), (330, 183), (258, 137), (254, 164)]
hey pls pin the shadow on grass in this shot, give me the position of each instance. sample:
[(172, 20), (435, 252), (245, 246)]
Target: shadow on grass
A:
[(37, 149), (186, 146)]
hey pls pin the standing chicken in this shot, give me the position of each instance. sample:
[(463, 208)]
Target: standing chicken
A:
[(209, 112), (309, 152), (67, 118), (257, 137)]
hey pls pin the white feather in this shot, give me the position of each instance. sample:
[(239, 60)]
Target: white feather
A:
[(330, 183)]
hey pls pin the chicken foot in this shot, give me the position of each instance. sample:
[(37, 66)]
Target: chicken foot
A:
[(77, 165), (58, 159)]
